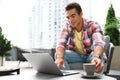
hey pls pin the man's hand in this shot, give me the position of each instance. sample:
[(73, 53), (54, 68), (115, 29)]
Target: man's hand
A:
[(99, 64), (60, 62)]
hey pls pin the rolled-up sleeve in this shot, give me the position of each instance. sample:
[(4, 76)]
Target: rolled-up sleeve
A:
[(97, 37), (97, 40)]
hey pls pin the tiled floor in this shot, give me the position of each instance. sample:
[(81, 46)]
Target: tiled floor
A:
[(115, 74), (17, 64)]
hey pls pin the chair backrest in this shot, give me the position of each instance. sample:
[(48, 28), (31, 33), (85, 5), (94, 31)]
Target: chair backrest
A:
[(109, 49), (20, 56), (107, 45)]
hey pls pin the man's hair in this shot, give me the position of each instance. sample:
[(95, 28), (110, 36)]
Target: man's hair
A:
[(72, 6)]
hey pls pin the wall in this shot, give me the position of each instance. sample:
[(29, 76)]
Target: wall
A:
[(115, 64)]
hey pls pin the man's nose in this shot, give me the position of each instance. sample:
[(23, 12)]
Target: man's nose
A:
[(70, 20)]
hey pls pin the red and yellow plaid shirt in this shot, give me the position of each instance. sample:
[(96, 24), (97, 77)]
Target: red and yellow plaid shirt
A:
[(92, 36)]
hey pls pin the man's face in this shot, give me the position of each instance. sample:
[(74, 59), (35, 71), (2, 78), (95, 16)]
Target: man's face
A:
[(74, 18)]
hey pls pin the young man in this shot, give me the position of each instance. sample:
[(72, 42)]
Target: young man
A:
[(82, 37)]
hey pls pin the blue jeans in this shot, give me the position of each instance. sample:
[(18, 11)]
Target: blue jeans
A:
[(74, 57)]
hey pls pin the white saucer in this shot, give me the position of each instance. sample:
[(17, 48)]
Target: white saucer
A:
[(91, 76)]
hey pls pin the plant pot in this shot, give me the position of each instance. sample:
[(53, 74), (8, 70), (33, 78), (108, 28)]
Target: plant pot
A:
[(2, 60)]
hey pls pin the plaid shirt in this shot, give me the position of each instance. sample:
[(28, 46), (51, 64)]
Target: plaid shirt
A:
[(92, 36)]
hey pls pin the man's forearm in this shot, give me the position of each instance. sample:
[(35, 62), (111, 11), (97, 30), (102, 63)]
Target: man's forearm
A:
[(60, 52), (98, 51)]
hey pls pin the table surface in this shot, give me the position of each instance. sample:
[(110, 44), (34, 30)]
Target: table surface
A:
[(31, 74)]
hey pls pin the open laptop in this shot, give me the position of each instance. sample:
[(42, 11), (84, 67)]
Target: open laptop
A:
[(44, 63)]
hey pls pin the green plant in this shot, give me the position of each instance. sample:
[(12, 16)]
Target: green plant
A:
[(5, 45), (112, 26), (114, 35)]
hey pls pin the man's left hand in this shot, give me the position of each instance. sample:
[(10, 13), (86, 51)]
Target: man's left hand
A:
[(99, 64)]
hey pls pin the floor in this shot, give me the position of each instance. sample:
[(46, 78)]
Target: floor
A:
[(115, 73)]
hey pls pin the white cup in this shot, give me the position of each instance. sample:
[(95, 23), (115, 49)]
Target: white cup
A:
[(89, 68)]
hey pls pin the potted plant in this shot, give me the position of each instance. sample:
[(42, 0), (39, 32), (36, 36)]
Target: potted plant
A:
[(5, 46), (112, 26)]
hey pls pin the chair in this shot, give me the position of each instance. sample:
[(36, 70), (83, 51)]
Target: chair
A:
[(20, 52), (20, 57), (109, 48)]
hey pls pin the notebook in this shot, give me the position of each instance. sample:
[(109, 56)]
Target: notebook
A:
[(44, 63)]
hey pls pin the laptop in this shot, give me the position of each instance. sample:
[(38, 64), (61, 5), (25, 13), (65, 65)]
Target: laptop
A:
[(44, 63)]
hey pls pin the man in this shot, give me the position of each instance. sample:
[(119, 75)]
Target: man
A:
[(82, 37)]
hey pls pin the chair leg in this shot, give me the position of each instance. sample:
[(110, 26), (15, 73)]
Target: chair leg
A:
[(18, 64), (18, 71), (109, 59)]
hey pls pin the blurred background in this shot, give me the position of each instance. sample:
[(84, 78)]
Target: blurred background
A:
[(37, 23)]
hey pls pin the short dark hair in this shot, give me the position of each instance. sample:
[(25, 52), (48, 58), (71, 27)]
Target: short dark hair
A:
[(72, 6)]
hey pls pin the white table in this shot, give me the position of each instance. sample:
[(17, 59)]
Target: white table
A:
[(31, 74)]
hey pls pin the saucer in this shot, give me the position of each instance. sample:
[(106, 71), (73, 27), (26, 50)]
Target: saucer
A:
[(91, 76)]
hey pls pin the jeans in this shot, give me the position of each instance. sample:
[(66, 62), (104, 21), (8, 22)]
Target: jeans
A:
[(74, 57)]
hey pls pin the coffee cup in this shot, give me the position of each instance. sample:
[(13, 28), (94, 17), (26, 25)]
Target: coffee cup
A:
[(89, 68)]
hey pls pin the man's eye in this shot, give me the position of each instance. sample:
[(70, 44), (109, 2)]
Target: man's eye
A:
[(67, 17), (72, 16)]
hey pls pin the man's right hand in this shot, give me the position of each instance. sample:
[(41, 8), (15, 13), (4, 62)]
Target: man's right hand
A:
[(60, 62)]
